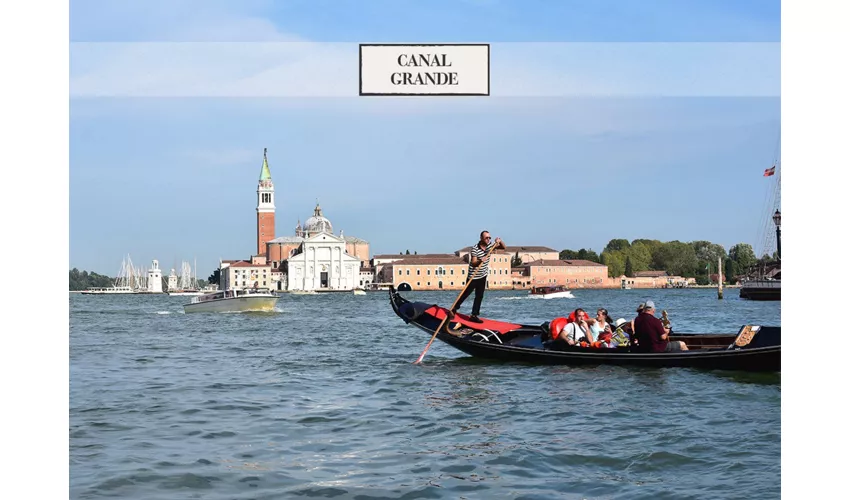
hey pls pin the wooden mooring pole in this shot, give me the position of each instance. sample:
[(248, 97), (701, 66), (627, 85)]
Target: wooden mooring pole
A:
[(719, 279)]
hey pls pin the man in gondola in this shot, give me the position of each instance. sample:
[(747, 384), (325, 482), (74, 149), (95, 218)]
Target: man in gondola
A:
[(479, 269), (651, 334)]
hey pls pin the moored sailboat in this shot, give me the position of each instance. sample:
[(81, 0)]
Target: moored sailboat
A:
[(187, 283), (764, 283), (129, 281)]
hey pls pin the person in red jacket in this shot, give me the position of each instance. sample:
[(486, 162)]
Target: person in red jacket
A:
[(651, 334)]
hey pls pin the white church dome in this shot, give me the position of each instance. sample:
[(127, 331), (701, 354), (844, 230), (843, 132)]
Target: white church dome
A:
[(318, 223)]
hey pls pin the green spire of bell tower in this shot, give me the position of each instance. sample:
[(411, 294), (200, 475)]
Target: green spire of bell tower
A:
[(265, 174)]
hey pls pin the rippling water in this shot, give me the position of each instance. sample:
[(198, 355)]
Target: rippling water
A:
[(321, 400)]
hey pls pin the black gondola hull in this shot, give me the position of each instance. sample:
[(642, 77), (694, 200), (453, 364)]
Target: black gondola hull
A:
[(524, 343)]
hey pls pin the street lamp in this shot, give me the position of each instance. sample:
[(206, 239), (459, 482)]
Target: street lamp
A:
[(777, 219)]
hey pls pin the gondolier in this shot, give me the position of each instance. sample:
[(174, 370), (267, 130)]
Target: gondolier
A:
[(479, 269)]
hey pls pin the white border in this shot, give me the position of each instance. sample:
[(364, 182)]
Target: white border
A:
[(34, 41), (34, 160), (814, 133)]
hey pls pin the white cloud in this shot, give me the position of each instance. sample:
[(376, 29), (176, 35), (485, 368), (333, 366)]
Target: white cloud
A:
[(312, 69)]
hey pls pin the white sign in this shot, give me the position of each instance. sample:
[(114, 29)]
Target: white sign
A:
[(461, 69)]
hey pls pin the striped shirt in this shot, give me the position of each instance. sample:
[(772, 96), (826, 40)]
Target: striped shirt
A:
[(484, 269)]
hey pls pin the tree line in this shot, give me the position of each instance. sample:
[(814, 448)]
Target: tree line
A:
[(696, 259), (83, 280)]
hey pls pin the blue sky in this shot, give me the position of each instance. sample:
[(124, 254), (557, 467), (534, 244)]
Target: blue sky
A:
[(174, 177)]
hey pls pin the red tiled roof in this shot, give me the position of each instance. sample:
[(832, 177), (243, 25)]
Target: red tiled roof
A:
[(530, 249), (650, 274), (244, 263), (428, 261), (579, 262), (412, 256), (515, 249), (541, 263)]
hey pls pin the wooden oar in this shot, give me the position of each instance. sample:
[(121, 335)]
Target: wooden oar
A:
[(468, 282)]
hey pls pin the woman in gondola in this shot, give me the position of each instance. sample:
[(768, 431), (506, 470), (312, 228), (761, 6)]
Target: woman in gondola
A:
[(598, 324)]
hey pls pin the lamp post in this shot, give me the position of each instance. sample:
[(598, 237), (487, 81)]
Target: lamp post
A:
[(777, 219)]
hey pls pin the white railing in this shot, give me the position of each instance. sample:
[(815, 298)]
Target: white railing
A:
[(761, 284)]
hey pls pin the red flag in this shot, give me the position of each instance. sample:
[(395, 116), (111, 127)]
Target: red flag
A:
[(769, 171)]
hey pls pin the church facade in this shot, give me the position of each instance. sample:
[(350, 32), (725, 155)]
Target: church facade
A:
[(314, 258), (322, 262)]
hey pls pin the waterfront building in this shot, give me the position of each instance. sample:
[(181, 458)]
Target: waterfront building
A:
[(656, 279), (439, 271), (314, 258), (242, 274), (570, 273), (427, 272)]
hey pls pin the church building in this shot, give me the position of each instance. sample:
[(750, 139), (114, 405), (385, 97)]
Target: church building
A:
[(314, 258)]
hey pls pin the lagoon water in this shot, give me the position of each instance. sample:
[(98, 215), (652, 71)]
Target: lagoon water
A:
[(321, 400)]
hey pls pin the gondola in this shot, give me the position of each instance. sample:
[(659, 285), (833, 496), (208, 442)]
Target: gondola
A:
[(753, 348)]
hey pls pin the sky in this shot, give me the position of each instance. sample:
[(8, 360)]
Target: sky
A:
[(607, 119)]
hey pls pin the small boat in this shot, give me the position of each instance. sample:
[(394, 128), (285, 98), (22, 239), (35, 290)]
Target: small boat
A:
[(247, 300), (359, 291), (111, 290), (304, 292), (753, 348), (551, 292), (182, 293)]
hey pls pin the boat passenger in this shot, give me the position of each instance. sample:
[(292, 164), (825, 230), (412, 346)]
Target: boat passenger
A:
[(622, 333), (598, 324), (606, 338), (651, 334), (577, 332)]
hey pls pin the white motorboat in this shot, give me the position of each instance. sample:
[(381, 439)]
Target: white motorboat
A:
[(247, 300), (359, 291), (181, 293), (551, 292)]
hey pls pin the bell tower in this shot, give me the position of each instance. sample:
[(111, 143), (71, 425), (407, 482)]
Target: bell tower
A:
[(265, 206)]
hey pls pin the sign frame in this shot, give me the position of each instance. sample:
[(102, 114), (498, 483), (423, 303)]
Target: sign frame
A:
[(408, 94)]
